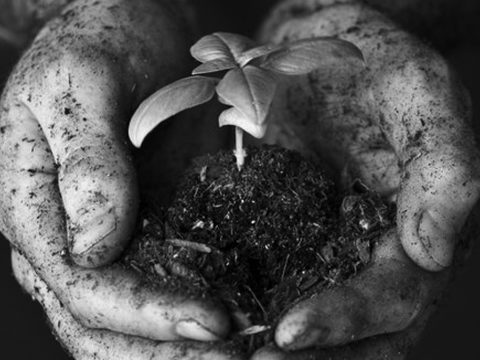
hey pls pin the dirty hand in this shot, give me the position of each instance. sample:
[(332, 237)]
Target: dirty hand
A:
[(401, 126), (68, 191)]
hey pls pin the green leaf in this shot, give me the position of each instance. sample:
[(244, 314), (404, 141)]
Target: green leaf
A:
[(214, 66), (168, 101), (250, 92), (220, 45), (303, 56)]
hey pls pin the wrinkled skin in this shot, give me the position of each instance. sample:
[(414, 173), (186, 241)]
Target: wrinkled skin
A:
[(65, 155), (367, 125), (401, 126)]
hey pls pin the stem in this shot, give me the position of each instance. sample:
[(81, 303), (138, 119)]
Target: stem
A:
[(239, 150)]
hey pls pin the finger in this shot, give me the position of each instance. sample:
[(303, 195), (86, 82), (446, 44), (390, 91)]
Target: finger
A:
[(77, 109), (391, 346), (437, 195), (425, 115), (386, 297), (83, 343), (111, 298), (410, 94), (81, 88)]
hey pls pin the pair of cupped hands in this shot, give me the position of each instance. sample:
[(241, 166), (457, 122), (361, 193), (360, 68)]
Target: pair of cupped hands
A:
[(69, 193)]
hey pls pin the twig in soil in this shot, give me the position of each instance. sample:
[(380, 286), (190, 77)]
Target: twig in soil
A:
[(136, 266), (309, 283), (198, 225), (203, 174), (285, 267), (265, 316), (185, 272), (190, 244), (320, 257), (255, 329), (159, 269)]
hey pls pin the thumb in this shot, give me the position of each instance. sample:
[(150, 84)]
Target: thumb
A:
[(84, 122), (79, 80), (437, 193)]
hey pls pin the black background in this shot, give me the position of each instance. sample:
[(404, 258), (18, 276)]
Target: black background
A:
[(451, 334)]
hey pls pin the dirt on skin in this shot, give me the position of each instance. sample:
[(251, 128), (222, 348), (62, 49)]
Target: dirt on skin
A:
[(259, 239)]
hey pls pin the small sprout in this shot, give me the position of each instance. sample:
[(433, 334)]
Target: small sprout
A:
[(248, 84)]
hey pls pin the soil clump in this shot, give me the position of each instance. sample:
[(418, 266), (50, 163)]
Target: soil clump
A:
[(259, 239)]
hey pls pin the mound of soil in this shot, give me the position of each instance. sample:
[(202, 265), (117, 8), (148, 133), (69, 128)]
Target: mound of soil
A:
[(261, 238)]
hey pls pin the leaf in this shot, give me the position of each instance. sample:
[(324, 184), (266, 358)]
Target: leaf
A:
[(257, 52), (168, 101), (303, 56), (214, 66), (250, 92), (233, 116), (220, 45)]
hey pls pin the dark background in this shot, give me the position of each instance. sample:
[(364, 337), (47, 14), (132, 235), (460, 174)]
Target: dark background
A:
[(451, 334)]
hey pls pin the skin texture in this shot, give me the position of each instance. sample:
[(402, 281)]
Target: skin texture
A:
[(68, 187), (88, 344), (401, 125), (375, 137)]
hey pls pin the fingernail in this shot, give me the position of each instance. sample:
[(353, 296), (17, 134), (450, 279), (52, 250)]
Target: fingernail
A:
[(192, 329), (92, 233), (312, 336), (438, 239)]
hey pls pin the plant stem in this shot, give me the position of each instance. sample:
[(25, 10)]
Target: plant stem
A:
[(239, 150)]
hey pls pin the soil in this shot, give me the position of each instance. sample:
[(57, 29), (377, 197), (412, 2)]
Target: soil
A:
[(260, 239)]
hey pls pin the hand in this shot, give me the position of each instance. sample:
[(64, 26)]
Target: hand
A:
[(401, 126), (85, 343), (68, 191), (392, 294)]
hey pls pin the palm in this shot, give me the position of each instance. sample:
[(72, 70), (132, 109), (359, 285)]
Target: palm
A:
[(386, 126)]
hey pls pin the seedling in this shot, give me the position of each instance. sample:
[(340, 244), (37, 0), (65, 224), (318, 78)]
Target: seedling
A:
[(248, 85)]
